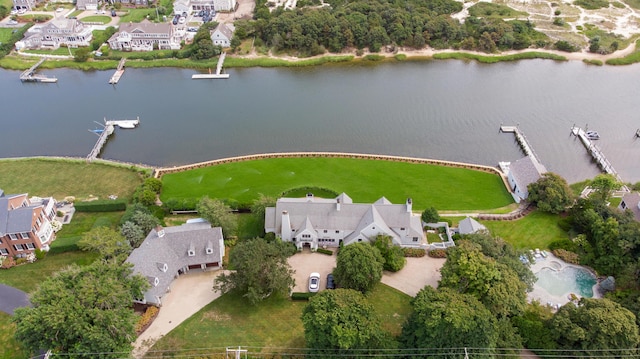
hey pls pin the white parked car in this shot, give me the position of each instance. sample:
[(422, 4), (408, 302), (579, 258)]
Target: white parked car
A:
[(314, 282), (182, 20)]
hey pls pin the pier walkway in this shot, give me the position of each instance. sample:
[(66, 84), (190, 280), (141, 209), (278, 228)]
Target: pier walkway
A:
[(109, 128), (29, 75), (119, 71), (522, 140), (595, 152), (218, 74)]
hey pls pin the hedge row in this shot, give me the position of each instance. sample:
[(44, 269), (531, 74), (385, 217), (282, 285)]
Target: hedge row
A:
[(325, 251), (101, 206), (414, 252), (302, 295), (71, 247)]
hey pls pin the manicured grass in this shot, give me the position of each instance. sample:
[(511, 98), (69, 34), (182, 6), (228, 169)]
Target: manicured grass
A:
[(445, 188), (76, 13), (97, 18), (9, 347), (274, 323), (81, 223), (499, 58), (65, 51), (26, 277), (5, 34), (248, 226), (60, 178), (136, 15), (536, 230)]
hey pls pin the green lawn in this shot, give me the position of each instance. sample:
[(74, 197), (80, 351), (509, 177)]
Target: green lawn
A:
[(274, 323), (445, 188), (27, 277), (5, 34), (71, 233), (536, 230), (60, 178), (9, 347), (136, 15), (97, 18), (63, 51)]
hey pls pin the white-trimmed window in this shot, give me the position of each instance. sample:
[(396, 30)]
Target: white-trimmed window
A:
[(30, 246), (4, 251), (24, 235), (13, 236), (415, 239), (192, 253), (17, 247)]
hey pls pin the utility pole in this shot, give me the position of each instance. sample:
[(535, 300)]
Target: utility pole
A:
[(237, 352)]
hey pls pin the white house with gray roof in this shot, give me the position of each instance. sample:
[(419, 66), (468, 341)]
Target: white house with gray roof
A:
[(57, 32), (144, 36), (313, 221), (522, 173), (631, 201), (222, 35), (168, 252)]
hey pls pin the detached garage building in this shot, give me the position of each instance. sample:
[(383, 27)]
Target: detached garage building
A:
[(168, 252)]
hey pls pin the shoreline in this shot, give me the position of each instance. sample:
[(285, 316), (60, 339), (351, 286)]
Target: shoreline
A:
[(18, 61)]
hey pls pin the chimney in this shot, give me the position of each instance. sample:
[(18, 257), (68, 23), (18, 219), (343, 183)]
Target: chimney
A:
[(409, 205), (285, 232), (160, 231), (338, 204), (309, 197)]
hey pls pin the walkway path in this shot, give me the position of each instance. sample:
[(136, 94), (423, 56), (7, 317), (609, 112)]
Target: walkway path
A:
[(189, 293), (12, 298)]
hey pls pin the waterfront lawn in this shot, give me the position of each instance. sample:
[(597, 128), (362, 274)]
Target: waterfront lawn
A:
[(9, 347), (61, 178), (136, 15), (26, 277), (271, 324), (64, 51), (536, 230), (445, 188), (81, 223)]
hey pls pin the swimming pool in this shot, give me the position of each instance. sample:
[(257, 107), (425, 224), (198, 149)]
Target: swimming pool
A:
[(566, 280)]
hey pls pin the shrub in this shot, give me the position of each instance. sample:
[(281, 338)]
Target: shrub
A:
[(40, 254), (21, 261), (414, 252), (302, 295), (69, 247), (566, 46), (8, 262), (101, 206), (565, 244), (567, 256), (325, 251), (145, 320), (438, 253)]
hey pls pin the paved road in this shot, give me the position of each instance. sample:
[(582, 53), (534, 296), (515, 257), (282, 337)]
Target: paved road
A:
[(12, 298)]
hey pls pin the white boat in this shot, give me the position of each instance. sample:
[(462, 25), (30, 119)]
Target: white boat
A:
[(127, 123), (593, 135)]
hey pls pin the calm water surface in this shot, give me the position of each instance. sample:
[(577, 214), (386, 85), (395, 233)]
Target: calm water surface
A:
[(447, 110)]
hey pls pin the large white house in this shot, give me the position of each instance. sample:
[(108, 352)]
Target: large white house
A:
[(144, 36), (222, 35), (57, 32), (168, 252), (312, 221)]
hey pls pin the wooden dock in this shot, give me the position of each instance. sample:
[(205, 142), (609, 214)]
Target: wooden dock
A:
[(119, 71), (522, 140), (595, 152), (29, 75), (218, 74), (109, 128)]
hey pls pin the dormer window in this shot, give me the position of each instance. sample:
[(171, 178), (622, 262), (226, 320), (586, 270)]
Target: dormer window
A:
[(156, 281), (209, 250), (191, 253)]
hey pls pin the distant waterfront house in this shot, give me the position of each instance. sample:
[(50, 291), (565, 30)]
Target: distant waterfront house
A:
[(222, 35), (198, 5), (133, 2), (144, 36), (25, 4), (522, 173), (181, 6), (631, 201), (169, 252), (224, 5), (87, 4), (311, 221), (470, 226), (57, 32), (25, 224)]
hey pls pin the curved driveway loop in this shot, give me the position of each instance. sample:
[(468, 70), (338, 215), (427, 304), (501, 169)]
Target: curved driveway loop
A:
[(12, 298)]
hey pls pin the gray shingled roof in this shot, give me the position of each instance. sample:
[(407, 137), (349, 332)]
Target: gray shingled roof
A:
[(172, 250), (15, 220), (526, 170), (224, 30), (631, 200), (469, 226)]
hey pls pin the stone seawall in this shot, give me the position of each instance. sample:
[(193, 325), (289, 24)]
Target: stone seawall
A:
[(159, 172)]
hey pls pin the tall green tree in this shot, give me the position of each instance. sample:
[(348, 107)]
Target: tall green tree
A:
[(430, 215), (258, 209), (393, 255), (600, 325), (550, 193), (358, 266), (219, 215), (108, 242), (338, 321), (446, 318), (82, 311), (604, 185), (261, 269)]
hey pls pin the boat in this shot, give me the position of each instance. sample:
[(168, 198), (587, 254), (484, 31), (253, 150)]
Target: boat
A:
[(593, 135), (127, 124), (98, 130)]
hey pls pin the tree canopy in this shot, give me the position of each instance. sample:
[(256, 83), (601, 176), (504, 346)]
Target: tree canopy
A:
[(219, 215), (430, 215), (261, 269), (341, 320), (550, 193), (393, 255), (83, 310), (595, 324), (106, 241), (358, 266)]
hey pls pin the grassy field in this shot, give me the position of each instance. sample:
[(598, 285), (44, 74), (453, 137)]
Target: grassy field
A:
[(274, 323), (5, 34), (97, 18), (536, 230), (136, 15), (445, 188), (9, 348), (60, 178), (71, 233)]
